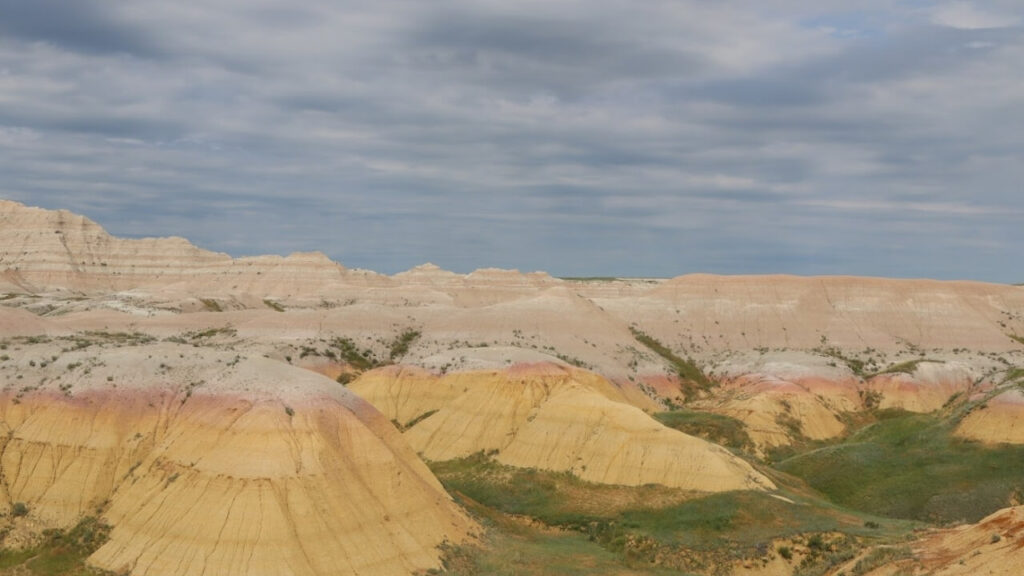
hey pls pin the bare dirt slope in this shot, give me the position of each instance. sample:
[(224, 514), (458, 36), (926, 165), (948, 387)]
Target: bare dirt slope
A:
[(553, 418), (212, 462)]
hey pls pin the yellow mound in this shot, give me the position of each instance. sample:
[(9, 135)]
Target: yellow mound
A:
[(992, 546), (555, 418), (224, 465), (1002, 420), (777, 411)]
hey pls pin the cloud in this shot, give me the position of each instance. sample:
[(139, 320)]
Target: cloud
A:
[(967, 16), (579, 137)]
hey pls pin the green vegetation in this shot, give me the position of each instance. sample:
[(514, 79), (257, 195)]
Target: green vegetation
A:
[(513, 547), (19, 509), (687, 370), (905, 367), (910, 466), (856, 365), (655, 527), (590, 278), (350, 353), (716, 428), (273, 305), (572, 360), (1018, 339), (878, 557), (1013, 374), (400, 345), (211, 305), (61, 553), (418, 419)]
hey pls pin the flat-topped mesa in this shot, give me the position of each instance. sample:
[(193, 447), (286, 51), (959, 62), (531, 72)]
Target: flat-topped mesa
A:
[(45, 250), (550, 417), (208, 462), (748, 312)]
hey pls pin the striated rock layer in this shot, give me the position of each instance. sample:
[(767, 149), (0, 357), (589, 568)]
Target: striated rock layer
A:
[(212, 463), (1000, 420), (993, 546), (550, 417)]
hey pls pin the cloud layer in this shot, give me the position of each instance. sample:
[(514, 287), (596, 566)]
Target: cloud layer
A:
[(584, 138)]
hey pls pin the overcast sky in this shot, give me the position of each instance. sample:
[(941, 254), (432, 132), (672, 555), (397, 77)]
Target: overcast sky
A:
[(591, 137)]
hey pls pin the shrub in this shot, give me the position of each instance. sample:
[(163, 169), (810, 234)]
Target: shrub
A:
[(786, 552), (19, 509)]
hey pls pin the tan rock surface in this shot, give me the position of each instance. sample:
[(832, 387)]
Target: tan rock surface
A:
[(777, 411), (993, 546), (555, 418), (1001, 420), (213, 462)]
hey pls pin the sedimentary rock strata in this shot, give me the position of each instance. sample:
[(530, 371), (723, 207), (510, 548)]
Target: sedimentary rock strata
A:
[(211, 462), (554, 418)]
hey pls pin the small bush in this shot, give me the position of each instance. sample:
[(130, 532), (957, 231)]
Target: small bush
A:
[(786, 552), (19, 509)]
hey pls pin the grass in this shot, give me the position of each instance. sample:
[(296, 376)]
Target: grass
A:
[(400, 345), (211, 305), (716, 428), (686, 369), (1013, 374), (1017, 339), (856, 365), (273, 305), (656, 526), (910, 466), (512, 547), (907, 367), (359, 359), (418, 419), (61, 553)]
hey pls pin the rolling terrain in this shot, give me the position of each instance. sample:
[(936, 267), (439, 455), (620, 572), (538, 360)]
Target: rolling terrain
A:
[(170, 410)]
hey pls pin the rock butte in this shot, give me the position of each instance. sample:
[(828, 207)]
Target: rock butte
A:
[(554, 418), (207, 462)]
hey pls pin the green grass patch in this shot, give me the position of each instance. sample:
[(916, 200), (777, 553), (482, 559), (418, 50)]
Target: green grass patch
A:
[(273, 305), (856, 365), (511, 547), (416, 420), (654, 525), (716, 428), (686, 369), (400, 345), (211, 305), (61, 553), (910, 466), (1013, 374), (907, 367), (359, 359)]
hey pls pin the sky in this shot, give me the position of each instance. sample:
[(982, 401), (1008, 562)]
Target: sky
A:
[(582, 138)]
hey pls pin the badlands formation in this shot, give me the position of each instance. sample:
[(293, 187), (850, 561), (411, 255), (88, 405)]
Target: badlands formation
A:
[(277, 415)]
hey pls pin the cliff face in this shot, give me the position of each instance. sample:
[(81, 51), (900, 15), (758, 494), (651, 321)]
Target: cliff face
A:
[(212, 462), (43, 250)]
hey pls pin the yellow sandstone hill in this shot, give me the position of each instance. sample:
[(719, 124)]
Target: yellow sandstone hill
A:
[(1000, 420), (208, 462), (550, 417), (990, 547)]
